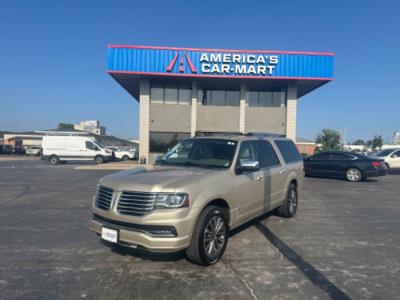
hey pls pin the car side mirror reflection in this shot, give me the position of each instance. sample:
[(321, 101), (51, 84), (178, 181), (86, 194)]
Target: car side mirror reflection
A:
[(248, 166)]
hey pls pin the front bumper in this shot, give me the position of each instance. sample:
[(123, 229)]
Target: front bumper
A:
[(172, 237)]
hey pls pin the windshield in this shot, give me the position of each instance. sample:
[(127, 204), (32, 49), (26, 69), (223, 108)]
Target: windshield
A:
[(97, 142), (207, 153), (384, 152)]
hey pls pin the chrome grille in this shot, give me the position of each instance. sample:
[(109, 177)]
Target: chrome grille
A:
[(104, 197), (135, 203)]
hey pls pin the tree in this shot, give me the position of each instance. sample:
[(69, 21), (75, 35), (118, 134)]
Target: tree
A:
[(376, 142), (359, 142), (65, 126), (328, 139)]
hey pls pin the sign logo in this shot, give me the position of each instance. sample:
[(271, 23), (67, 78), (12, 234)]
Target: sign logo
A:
[(182, 59)]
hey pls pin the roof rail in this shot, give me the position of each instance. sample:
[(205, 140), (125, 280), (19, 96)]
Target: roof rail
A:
[(270, 134)]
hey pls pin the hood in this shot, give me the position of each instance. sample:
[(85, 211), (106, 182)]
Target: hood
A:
[(155, 178)]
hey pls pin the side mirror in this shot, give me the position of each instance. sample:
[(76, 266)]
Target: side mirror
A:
[(393, 156), (158, 159), (248, 166)]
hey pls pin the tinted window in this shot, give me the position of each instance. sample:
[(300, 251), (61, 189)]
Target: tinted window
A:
[(90, 146), (341, 156), (289, 151), (265, 154), (245, 152), (384, 152), (321, 156), (397, 153)]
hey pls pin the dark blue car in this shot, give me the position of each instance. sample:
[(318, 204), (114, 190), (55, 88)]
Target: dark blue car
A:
[(341, 164)]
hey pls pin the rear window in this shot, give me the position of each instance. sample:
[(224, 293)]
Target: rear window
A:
[(289, 151)]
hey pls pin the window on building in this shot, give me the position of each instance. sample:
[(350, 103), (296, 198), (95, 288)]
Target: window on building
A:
[(170, 93), (266, 99), (162, 141), (218, 97), (289, 151)]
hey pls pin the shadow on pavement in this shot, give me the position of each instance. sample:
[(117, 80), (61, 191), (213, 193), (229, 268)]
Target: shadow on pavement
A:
[(308, 270)]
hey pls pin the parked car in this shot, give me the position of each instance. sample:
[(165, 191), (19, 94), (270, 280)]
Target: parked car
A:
[(33, 150), (390, 156), (123, 153), (65, 148), (197, 192), (340, 164)]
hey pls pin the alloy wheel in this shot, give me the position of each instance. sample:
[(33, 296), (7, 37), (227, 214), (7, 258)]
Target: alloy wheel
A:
[(214, 236), (353, 174)]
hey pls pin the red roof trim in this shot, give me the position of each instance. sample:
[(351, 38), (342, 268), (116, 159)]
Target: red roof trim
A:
[(217, 76), (221, 50)]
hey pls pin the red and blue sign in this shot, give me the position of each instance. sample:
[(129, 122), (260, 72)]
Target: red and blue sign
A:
[(214, 63)]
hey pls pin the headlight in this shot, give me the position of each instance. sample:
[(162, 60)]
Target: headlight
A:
[(171, 200)]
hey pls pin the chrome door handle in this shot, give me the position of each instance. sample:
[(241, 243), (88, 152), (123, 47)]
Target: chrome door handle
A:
[(282, 172)]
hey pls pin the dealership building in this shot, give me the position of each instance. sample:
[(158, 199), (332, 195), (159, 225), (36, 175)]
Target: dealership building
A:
[(184, 92)]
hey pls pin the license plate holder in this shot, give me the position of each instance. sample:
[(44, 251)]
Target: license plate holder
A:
[(109, 234)]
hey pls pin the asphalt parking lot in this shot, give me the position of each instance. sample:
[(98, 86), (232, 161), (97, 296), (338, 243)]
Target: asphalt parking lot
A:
[(344, 243)]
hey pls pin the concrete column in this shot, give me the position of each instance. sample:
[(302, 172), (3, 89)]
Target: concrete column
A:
[(291, 112), (242, 113), (144, 119), (193, 119)]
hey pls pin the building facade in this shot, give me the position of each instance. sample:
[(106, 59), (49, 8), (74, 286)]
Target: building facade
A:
[(184, 92)]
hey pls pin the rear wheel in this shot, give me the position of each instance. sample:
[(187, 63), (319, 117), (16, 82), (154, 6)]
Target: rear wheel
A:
[(99, 159), (210, 236), (125, 157), (289, 208), (54, 160), (354, 175)]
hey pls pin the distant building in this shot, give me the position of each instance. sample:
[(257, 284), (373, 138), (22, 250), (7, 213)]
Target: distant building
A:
[(91, 126), (305, 146), (396, 137)]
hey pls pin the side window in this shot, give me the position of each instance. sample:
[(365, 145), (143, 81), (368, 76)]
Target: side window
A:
[(289, 151), (245, 152), (90, 146), (321, 156), (266, 155), (397, 153), (341, 156)]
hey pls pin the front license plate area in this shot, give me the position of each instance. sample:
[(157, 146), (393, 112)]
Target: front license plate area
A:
[(110, 235)]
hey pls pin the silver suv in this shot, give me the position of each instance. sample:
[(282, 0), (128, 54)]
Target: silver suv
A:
[(197, 192)]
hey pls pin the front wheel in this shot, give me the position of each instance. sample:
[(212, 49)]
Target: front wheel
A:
[(289, 207), (99, 159), (354, 175), (210, 236), (125, 157)]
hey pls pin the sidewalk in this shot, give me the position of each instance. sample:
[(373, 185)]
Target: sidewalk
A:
[(18, 157)]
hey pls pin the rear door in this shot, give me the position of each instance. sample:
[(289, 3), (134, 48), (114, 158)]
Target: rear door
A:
[(272, 172), (340, 162)]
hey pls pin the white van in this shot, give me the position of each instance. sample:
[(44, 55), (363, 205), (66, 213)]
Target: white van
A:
[(63, 148)]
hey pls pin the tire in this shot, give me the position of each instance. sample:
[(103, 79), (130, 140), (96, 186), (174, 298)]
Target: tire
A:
[(289, 208), (125, 157), (99, 159), (206, 253), (54, 160), (354, 174)]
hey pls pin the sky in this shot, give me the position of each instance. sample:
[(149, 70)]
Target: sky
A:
[(53, 57)]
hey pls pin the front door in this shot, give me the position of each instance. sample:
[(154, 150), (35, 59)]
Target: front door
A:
[(248, 188)]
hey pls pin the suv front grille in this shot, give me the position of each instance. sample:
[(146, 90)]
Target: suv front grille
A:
[(135, 203), (104, 197)]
